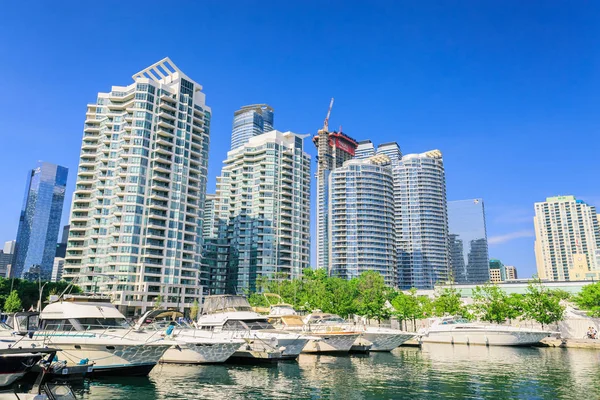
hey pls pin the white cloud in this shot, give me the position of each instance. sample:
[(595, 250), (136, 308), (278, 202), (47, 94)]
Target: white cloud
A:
[(507, 237)]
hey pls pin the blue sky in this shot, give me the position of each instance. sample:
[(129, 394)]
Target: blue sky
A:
[(507, 90)]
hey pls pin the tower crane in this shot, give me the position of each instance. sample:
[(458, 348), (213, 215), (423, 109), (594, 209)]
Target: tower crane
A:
[(326, 123)]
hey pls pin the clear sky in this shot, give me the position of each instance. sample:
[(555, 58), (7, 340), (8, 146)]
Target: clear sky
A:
[(507, 90)]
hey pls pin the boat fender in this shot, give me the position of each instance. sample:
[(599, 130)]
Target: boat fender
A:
[(452, 339), (487, 341), (170, 330), (468, 342)]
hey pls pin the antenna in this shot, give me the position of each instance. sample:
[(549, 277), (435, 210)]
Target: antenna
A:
[(326, 123)]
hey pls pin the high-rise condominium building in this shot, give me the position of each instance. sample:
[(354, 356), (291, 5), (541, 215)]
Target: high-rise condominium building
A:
[(565, 229), (57, 269), (262, 211), (511, 273), (421, 220), (333, 149), (469, 260), (138, 205), (392, 150), (361, 217), (250, 121), (40, 222), (364, 149), (214, 261)]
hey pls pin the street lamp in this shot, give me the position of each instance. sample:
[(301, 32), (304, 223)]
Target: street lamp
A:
[(39, 305)]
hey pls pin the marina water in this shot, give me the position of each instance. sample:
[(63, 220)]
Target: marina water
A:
[(435, 371)]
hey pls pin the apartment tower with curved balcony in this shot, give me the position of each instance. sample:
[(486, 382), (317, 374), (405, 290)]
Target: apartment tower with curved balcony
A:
[(361, 216), (136, 219), (421, 221)]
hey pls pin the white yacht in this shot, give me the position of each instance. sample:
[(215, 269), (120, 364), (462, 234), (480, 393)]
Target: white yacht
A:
[(460, 331), (337, 336), (90, 329), (329, 341), (197, 346), (234, 315)]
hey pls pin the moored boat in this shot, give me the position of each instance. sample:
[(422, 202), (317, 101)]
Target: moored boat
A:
[(232, 314), (89, 329), (460, 331), (196, 346)]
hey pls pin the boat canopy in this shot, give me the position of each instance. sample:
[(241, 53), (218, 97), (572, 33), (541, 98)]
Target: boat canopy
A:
[(225, 303), (72, 309)]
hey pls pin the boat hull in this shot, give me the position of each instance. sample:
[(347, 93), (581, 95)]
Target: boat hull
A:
[(107, 357), (200, 353), (386, 341), (334, 342), (14, 367), (490, 338)]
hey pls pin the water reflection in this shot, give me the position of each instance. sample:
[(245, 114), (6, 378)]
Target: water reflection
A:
[(435, 371)]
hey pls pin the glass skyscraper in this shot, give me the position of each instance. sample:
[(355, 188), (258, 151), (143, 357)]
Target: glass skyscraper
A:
[(39, 222), (361, 216), (139, 201), (469, 260), (250, 121), (421, 220)]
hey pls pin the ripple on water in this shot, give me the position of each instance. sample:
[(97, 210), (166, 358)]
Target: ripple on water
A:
[(435, 371)]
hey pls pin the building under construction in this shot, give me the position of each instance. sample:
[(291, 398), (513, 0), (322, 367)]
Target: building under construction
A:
[(333, 149)]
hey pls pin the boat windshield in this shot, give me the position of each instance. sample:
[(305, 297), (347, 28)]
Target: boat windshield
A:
[(103, 323), (5, 327), (225, 303), (164, 324), (255, 325), (326, 319)]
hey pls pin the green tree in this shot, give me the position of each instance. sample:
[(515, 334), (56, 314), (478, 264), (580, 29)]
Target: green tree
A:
[(341, 295), (257, 300), (194, 310), (158, 301), (514, 303), (372, 296), (447, 303), (12, 303), (541, 305), (589, 299), (490, 303), (407, 307)]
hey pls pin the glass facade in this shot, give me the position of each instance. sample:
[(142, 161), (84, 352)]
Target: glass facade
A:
[(39, 222), (362, 220), (469, 261), (421, 221), (250, 121)]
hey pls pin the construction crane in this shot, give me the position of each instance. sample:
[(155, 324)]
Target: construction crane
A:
[(326, 123)]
